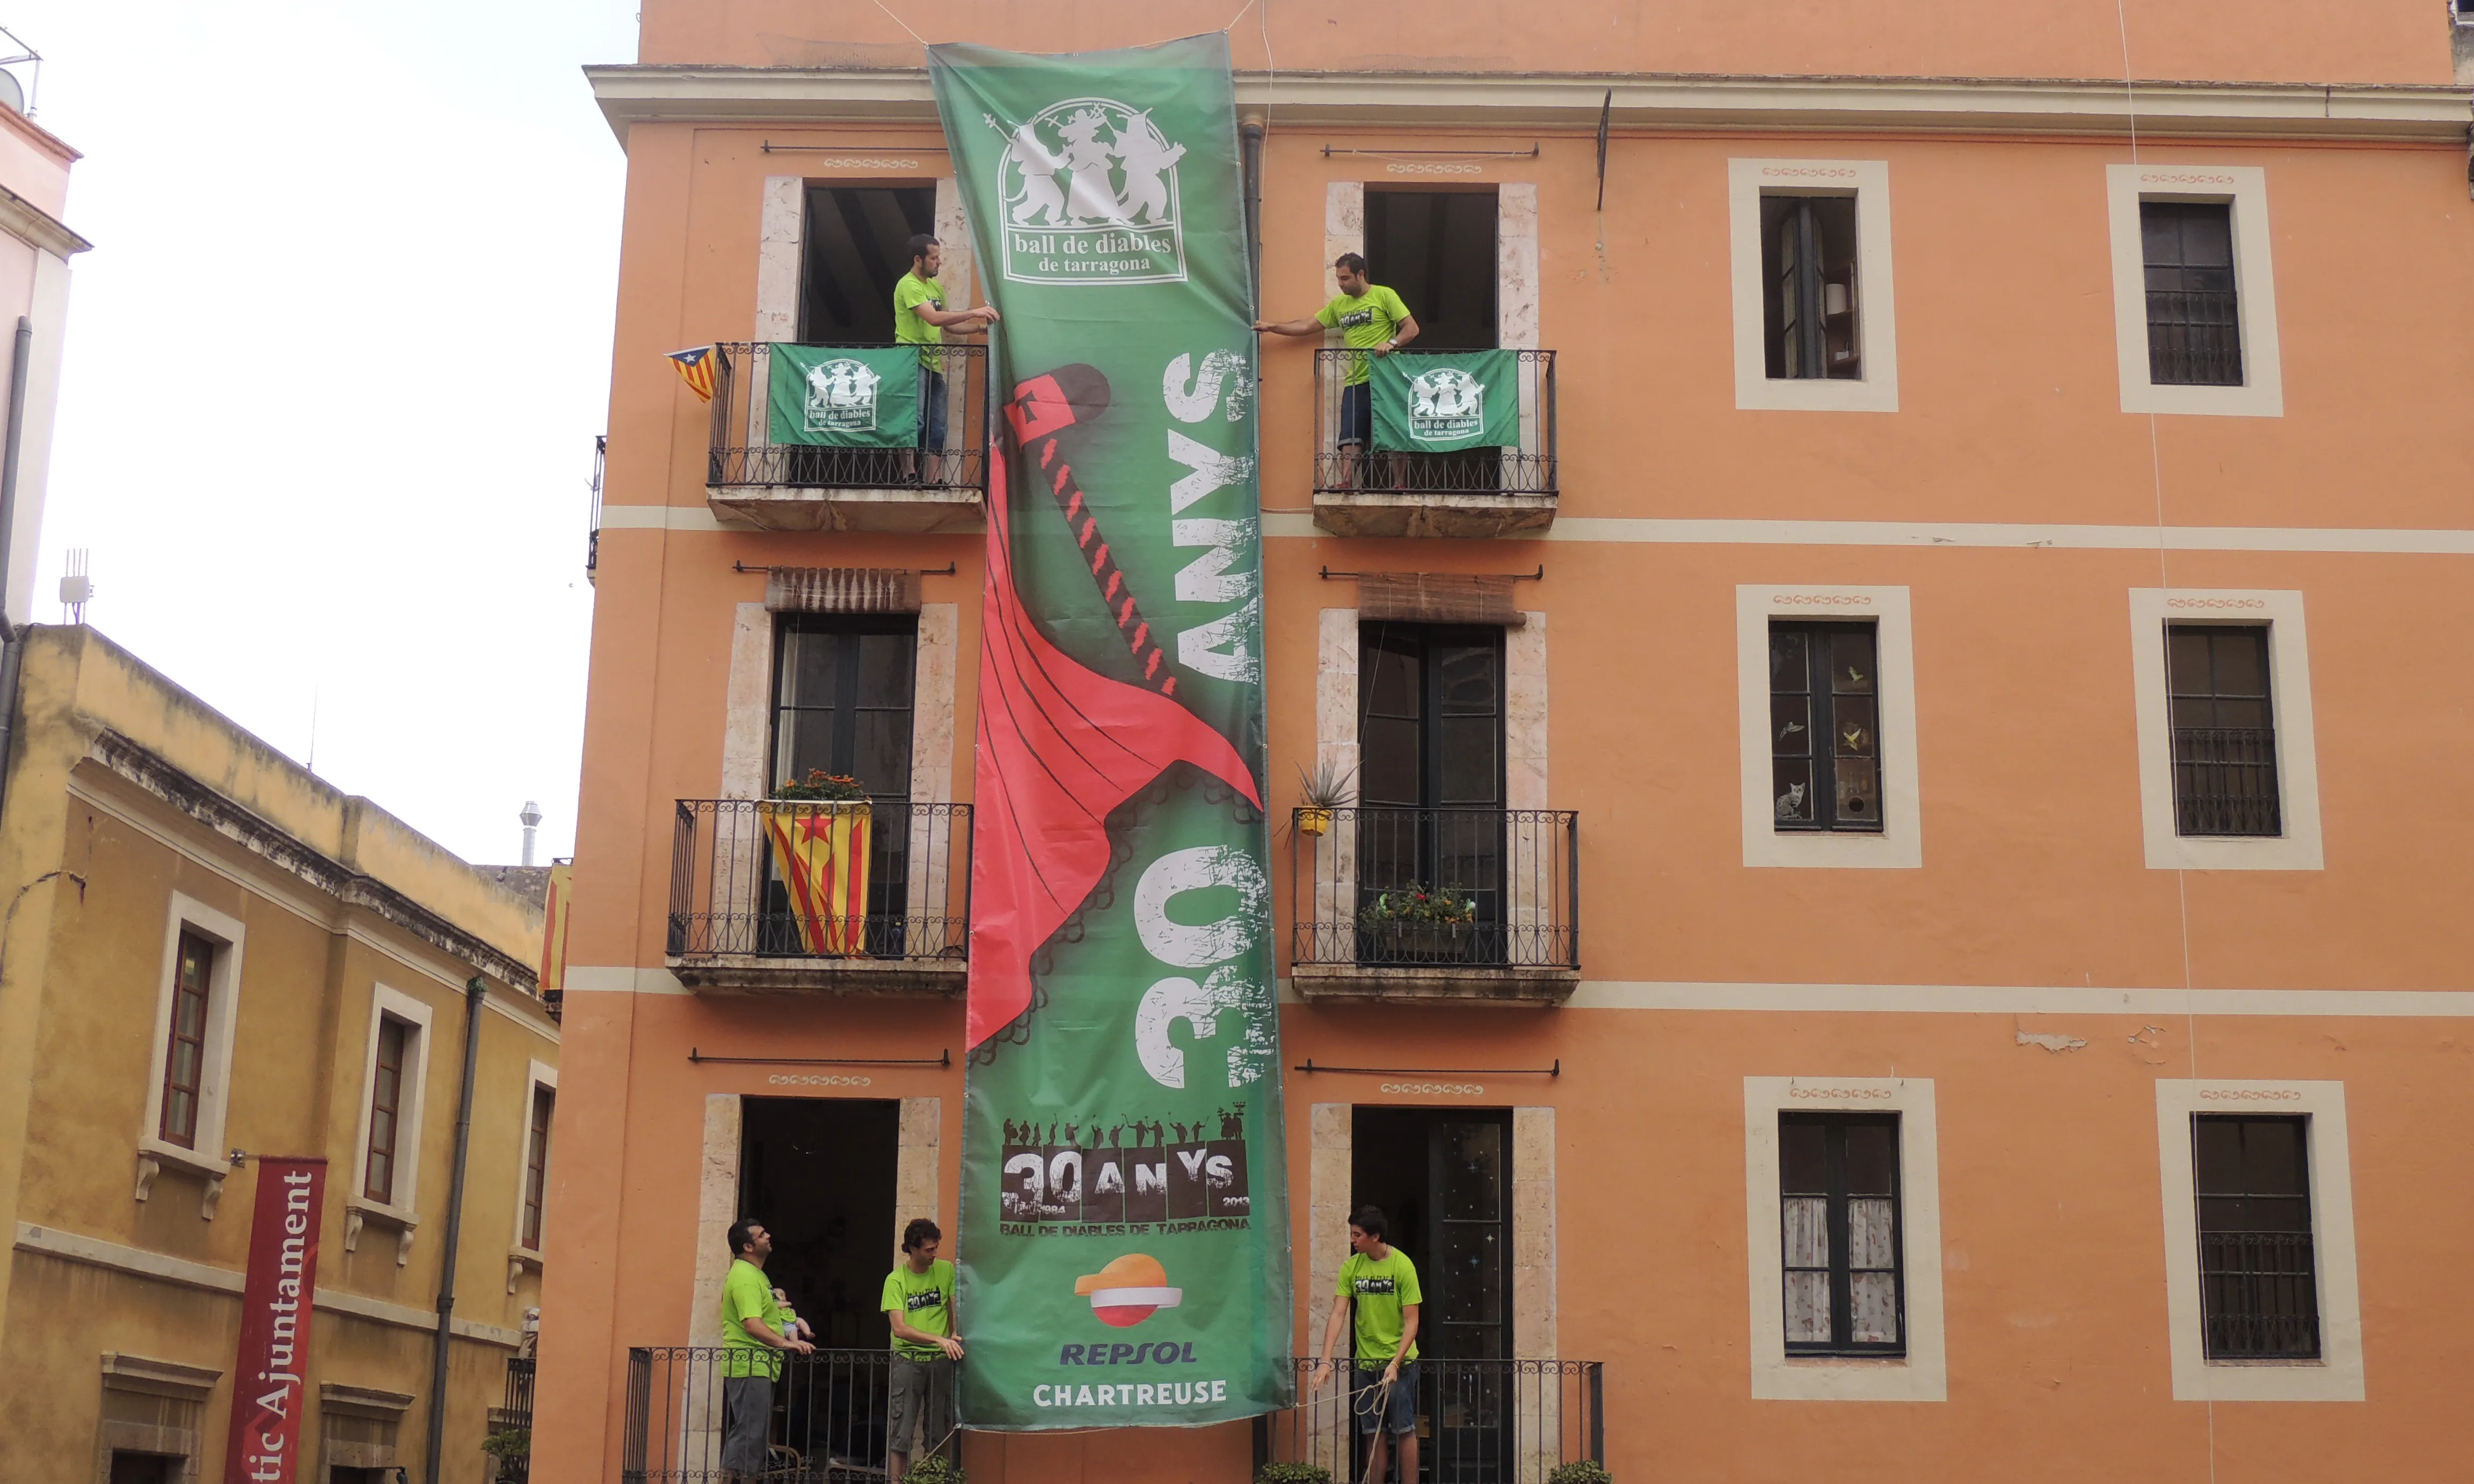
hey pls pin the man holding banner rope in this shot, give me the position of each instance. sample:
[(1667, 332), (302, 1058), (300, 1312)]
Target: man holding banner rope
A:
[(1383, 1283)]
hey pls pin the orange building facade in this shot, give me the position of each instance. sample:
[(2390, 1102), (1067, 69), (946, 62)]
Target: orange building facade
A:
[(1966, 600)]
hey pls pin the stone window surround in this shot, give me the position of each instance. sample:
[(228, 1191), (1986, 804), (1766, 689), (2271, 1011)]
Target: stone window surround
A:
[(412, 1098), (1516, 256), (747, 734), (918, 1151), (1900, 843), (781, 239), (1922, 1374), (365, 1405), (215, 1079), (1868, 180), (538, 1074), (2338, 1374), (2244, 187), (1524, 703), (2289, 684), (181, 1393)]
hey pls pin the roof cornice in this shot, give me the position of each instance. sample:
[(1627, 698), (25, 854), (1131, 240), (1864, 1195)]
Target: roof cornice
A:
[(2411, 112), (28, 222)]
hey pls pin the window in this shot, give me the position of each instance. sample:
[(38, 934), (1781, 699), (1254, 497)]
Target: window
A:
[(2258, 1294), (855, 248), (184, 1055), (2224, 729), (133, 1468), (842, 698), (2194, 290), (1437, 249), (1814, 311), (1839, 1234), (537, 1166), (1430, 784), (1809, 261), (2194, 329), (1824, 728), (2228, 775), (386, 1107)]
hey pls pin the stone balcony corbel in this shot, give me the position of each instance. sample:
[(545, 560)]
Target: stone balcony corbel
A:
[(155, 1156), (360, 1212)]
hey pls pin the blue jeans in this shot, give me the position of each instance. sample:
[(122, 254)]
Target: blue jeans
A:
[(931, 410), (1356, 413), (1399, 1412)]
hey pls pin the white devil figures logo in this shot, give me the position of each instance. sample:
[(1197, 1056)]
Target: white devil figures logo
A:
[(1446, 404), (1090, 196), (841, 397)]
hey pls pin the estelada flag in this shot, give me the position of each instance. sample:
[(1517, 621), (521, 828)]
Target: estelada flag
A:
[(695, 369), (821, 851)]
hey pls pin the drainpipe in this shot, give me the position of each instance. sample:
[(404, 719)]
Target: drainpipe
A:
[(472, 990), (11, 647), (1250, 132)]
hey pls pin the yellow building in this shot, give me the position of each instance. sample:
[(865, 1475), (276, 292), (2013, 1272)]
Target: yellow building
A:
[(208, 955)]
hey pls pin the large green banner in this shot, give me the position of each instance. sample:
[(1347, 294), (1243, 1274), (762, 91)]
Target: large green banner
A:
[(1124, 1245)]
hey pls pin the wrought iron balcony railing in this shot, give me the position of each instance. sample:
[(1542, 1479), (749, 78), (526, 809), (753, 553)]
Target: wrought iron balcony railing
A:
[(1524, 467), (731, 894), (1383, 886), (2224, 781), (1480, 1422), (828, 1424), (745, 455)]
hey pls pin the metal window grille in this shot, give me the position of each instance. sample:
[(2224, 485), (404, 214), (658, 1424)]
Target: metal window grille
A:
[(2259, 1292), (185, 1057), (2224, 730), (2194, 312), (1824, 728), (1841, 1239)]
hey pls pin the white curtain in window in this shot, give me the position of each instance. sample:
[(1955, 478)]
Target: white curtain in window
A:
[(1804, 1234), (1871, 1244)]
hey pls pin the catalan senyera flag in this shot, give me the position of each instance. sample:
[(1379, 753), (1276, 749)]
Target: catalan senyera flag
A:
[(695, 369), (821, 851)]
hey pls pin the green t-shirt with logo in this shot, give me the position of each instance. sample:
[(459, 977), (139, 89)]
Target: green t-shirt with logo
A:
[(926, 1300), (909, 329), (1382, 1287), (746, 1295), (1363, 321)]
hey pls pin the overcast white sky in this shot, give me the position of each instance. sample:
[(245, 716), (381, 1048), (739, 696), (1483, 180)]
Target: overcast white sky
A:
[(334, 371)]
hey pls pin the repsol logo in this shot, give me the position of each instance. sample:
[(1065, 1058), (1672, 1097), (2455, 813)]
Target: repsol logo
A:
[(1157, 1352)]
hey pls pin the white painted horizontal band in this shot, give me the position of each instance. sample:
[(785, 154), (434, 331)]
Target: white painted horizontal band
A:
[(2019, 999), (137, 1262), (2365, 540), (665, 93), (622, 978)]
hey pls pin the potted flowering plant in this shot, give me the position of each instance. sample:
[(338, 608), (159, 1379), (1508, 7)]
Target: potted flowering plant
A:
[(1322, 792), (819, 828), (1413, 924)]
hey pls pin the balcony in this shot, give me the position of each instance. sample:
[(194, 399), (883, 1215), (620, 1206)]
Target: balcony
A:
[(904, 929), (1480, 1422), (1499, 919), (1490, 491), (757, 473), (828, 1424)]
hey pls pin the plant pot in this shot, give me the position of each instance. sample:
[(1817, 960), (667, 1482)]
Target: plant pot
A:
[(1397, 941), (820, 850), (1314, 822)]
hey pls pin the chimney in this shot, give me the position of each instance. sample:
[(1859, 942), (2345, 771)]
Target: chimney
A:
[(532, 818)]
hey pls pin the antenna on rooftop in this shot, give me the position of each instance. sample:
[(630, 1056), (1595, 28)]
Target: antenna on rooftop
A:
[(77, 587), (532, 818), (14, 95)]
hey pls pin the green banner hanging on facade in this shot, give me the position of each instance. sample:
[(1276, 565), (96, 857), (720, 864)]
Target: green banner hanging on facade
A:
[(1436, 401), (845, 397), (1125, 1237)]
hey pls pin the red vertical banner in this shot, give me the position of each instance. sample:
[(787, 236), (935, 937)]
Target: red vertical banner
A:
[(268, 1392)]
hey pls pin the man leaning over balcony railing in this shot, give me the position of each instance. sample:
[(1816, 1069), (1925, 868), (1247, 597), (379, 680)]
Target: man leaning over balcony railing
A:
[(752, 1340), (920, 318), (1372, 319)]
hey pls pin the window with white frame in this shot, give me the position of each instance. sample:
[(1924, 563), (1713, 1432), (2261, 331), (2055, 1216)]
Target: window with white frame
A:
[(2228, 771), (2194, 290), (2262, 1302), (1815, 318), (532, 1194), (1843, 1234), (195, 1013), (395, 1077), (1826, 679)]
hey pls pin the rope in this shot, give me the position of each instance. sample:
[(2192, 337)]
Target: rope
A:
[(899, 21)]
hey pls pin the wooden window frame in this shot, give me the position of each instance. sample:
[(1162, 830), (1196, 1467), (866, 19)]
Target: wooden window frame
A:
[(537, 1165), (1835, 1126), (2186, 309), (1798, 286), (2218, 1276), (2200, 752), (405, 1052), (1876, 388), (845, 709), (1819, 691), (183, 991)]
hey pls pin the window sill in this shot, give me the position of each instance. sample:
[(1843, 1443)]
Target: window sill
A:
[(518, 1258), (1835, 1362), (360, 1210), (155, 1156), (2267, 1363)]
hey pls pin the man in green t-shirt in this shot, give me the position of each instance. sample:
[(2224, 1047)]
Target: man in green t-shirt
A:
[(1383, 1382), (920, 318), (1372, 320), (918, 1305), (753, 1338)]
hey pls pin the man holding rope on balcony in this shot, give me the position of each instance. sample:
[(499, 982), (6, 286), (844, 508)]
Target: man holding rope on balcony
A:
[(918, 1304), (1373, 321), (752, 1340), (920, 318), (1383, 1382)]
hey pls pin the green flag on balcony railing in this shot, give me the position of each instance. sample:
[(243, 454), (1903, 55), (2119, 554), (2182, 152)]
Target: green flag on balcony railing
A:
[(1434, 401), (845, 397), (1124, 1249)]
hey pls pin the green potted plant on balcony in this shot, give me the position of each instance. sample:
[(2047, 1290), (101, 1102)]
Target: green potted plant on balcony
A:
[(819, 828), (1321, 794), (1413, 924)]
